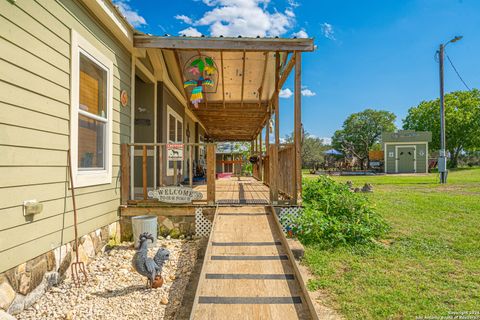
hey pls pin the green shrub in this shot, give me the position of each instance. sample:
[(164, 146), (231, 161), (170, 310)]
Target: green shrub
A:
[(333, 215)]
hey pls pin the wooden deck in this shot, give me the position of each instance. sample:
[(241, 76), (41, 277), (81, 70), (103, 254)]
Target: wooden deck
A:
[(248, 273), (238, 190)]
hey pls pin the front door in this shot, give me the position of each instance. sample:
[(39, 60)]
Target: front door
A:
[(406, 159)]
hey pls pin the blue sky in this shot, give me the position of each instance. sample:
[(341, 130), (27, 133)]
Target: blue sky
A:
[(370, 54)]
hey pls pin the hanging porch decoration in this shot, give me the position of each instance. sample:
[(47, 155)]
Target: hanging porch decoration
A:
[(200, 72)]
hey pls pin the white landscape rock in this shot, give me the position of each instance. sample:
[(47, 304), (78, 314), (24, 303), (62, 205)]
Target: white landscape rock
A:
[(6, 316), (115, 291), (7, 295)]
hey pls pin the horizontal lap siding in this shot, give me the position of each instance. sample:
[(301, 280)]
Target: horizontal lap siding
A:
[(34, 126)]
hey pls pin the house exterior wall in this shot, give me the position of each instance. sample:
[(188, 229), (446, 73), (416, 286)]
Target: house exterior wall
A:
[(34, 134)]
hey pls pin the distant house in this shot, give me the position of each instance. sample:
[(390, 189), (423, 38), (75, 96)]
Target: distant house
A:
[(406, 151), (229, 159)]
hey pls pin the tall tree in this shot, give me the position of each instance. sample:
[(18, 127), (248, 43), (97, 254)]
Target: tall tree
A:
[(462, 122), (360, 131), (312, 150)]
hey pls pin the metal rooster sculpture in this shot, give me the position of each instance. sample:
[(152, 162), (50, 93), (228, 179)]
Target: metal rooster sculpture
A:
[(148, 267)]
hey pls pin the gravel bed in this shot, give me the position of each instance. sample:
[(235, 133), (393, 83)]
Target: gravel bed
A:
[(115, 291)]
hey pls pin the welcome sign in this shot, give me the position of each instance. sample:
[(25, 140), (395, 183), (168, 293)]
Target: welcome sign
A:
[(175, 194)]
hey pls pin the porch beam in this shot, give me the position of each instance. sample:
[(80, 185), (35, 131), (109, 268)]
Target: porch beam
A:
[(243, 77), (298, 128), (225, 43)]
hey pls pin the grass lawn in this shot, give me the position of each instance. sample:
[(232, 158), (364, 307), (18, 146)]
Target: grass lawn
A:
[(428, 265)]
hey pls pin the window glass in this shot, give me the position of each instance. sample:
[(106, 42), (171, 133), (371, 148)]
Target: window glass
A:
[(93, 87), (171, 128), (92, 118), (91, 143), (179, 131)]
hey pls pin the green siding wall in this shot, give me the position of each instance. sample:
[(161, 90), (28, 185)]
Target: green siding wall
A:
[(34, 126), (421, 151)]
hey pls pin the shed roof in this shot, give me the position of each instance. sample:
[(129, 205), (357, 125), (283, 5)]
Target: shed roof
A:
[(407, 136)]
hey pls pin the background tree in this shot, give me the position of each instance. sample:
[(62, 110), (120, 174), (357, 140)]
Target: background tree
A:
[(362, 130), (312, 150), (462, 122)]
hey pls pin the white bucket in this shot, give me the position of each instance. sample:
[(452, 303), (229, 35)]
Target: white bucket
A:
[(143, 224)]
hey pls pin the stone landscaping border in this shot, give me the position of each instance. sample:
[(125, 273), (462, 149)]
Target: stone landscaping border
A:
[(23, 285)]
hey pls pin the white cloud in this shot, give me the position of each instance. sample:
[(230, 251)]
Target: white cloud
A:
[(183, 18), (293, 3), (308, 93), (248, 18), (300, 34), (190, 32), (326, 140), (327, 31), (130, 14), (285, 93)]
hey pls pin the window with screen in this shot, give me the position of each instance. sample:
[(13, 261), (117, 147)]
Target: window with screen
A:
[(91, 113)]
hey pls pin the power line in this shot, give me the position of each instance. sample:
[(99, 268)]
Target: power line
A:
[(456, 71)]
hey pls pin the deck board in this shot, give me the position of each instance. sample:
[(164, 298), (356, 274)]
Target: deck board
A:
[(268, 294), (238, 190)]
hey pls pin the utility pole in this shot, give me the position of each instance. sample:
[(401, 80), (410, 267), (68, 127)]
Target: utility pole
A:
[(442, 158)]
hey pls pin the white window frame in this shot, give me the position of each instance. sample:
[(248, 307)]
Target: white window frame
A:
[(178, 118), (83, 178)]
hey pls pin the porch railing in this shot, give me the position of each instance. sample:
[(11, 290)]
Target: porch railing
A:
[(156, 170), (286, 176)]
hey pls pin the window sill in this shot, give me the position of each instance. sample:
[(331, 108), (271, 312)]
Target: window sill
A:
[(92, 178)]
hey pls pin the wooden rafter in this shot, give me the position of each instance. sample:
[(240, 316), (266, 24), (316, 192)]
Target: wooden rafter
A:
[(286, 72), (177, 59), (225, 43), (260, 89), (243, 75), (223, 78)]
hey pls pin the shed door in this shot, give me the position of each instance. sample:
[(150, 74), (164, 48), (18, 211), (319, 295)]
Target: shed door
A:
[(406, 160)]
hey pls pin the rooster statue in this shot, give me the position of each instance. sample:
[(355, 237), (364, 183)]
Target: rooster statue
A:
[(148, 267)]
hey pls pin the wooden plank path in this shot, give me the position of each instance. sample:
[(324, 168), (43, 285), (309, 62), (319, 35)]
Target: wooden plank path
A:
[(238, 190), (247, 272)]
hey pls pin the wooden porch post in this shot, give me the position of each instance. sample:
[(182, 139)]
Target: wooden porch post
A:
[(144, 172), (298, 128), (125, 163), (260, 163), (276, 100), (273, 173), (274, 176), (211, 167)]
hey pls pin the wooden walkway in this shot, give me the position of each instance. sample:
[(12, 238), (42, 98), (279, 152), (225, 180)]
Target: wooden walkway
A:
[(238, 190), (247, 273)]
